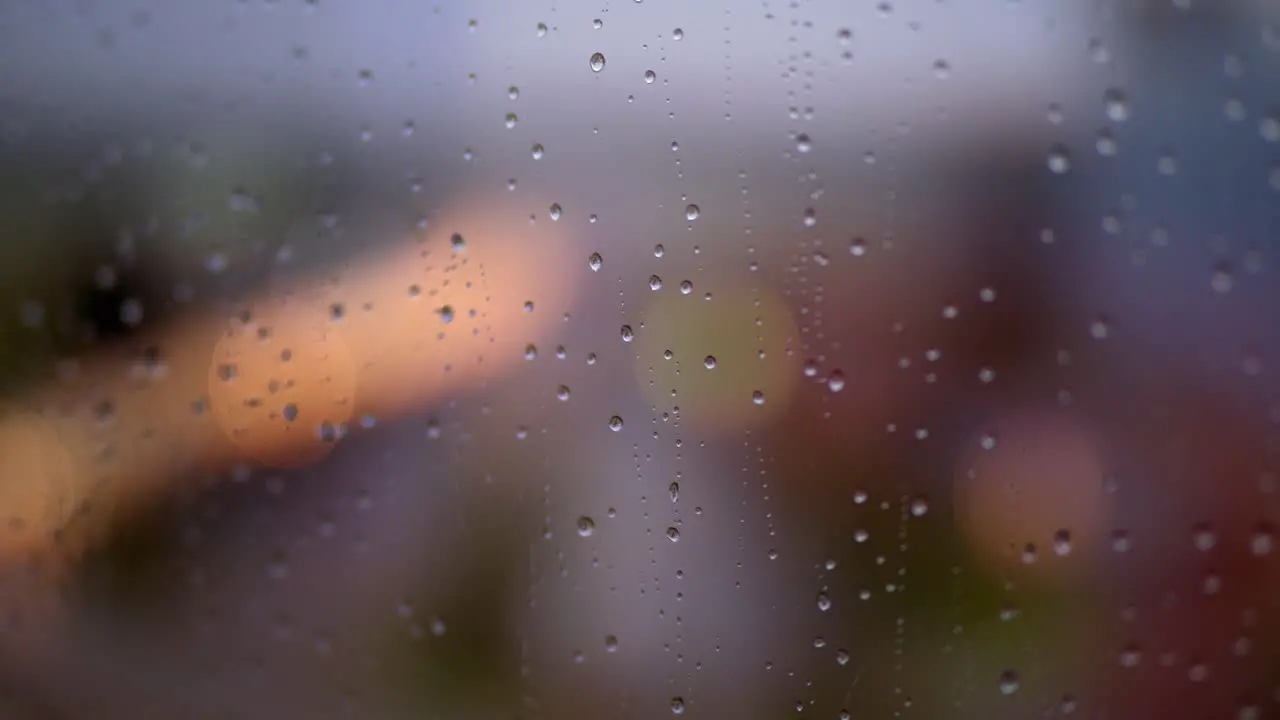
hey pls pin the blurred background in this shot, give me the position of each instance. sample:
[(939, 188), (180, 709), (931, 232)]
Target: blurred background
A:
[(845, 360)]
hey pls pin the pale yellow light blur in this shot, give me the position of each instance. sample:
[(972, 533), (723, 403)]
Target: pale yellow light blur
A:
[(751, 335)]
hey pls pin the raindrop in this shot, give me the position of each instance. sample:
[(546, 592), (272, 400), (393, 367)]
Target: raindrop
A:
[(1008, 682), (803, 143), (555, 211), (562, 393), (677, 34), (542, 29), (1116, 105), (1062, 543), (595, 261), (677, 704), (446, 314), (459, 243), (627, 334), (757, 397), (835, 383), (1203, 538), (511, 120), (919, 507), (686, 287), (649, 76), (538, 151), (655, 283), (597, 62), (673, 534), (709, 362), (691, 212), (513, 92), (824, 602), (1059, 160), (615, 423), (586, 526)]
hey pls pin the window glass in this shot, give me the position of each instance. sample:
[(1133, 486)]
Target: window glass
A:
[(497, 359)]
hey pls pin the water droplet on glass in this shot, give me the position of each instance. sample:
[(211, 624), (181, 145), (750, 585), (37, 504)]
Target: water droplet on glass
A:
[(597, 62), (1009, 682), (709, 362), (691, 212), (1116, 105), (1059, 160), (597, 23), (686, 287), (627, 333), (677, 34), (538, 151), (610, 643), (650, 76), (824, 602), (555, 211), (562, 393), (677, 704), (655, 283), (586, 526), (541, 29), (1062, 543), (446, 314), (835, 383), (673, 534), (458, 242), (919, 507), (803, 143), (615, 423), (757, 397), (1203, 538), (511, 120), (595, 261)]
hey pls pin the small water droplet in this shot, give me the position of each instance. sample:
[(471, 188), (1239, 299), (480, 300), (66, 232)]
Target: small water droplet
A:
[(824, 602), (677, 34), (586, 526), (1059, 160), (673, 534), (595, 261), (677, 704), (655, 283), (555, 211), (691, 212), (627, 333), (650, 76), (709, 362), (919, 507), (1116, 105), (803, 143), (835, 382), (615, 423), (597, 62), (1009, 682)]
